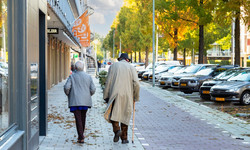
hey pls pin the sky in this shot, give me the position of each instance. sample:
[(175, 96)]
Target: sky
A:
[(104, 13)]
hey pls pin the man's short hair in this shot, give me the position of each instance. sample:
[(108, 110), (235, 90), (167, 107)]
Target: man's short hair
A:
[(79, 65)]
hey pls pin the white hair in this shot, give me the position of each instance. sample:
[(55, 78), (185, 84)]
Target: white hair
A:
[(79, 65)]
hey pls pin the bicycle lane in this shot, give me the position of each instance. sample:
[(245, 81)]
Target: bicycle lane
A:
[(166, 121)]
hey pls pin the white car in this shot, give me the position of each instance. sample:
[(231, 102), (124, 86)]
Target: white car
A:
[(166, 78), (138, 66), (159, 71)]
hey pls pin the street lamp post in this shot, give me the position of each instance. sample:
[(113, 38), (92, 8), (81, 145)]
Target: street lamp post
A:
[(120, 47), (95, 47), (114, 45), (153, 43)]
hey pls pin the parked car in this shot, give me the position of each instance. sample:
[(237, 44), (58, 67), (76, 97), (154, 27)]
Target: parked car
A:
[(158, 66), (161, 69), (150, 66), (192, 84), (237, 88), (191, 70), (166, 78), (206, 86), (4, 68), (138, 66), (145, 75)]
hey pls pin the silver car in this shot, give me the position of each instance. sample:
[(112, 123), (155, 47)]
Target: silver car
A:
[(191, 70), (236, 88), (166, 78), (159, 71)]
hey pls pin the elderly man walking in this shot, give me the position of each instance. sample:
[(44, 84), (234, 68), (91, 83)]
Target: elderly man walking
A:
[(79, 88), (121, 89)]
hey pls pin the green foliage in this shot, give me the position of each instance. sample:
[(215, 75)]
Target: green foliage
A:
[(214, 32), (220, 62), (102, 78), (225, 42), (226, 10)]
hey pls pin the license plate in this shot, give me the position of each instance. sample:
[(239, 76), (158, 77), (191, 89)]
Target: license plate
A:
[(176, 83), (162, 83), (183, 84), (145, 77), (205, 92), (220, 99), (150, 77)]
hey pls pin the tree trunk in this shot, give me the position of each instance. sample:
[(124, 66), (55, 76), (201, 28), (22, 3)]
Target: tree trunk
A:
[(175, 40), (146, 58), (201, 41), (237, 40), (135, 57), (131, 56), (140, 56), (184, 57), (201, 44)]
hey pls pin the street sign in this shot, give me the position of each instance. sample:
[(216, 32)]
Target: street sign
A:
[(75, 55), (52, 30)]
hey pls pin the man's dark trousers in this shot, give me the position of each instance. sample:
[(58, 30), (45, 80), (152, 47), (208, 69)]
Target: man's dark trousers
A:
[(124, 129)]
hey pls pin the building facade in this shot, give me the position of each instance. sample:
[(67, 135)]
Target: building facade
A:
[(35, 45)]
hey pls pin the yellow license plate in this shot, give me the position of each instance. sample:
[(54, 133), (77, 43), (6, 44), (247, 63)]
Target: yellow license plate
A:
[(150, 77), (183, 84), (205, 92), (145, 77), (162, 82), (176, 83), (220, 99)]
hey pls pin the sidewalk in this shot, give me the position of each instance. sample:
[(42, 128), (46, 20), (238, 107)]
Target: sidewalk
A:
[(62, 133)]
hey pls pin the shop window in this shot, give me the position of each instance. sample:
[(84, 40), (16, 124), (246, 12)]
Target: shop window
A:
[(4, 101)]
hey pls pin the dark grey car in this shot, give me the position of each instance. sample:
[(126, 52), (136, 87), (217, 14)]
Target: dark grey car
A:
[(237, 88), (206, 86), (191, 70), (192, 84)]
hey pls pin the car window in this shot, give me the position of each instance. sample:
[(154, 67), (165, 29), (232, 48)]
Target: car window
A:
[(162, 67), (227, 74), (180, 71), (242, 76), (149, 66), (218, 71), (191, 69), (205, 72), (174, 69)]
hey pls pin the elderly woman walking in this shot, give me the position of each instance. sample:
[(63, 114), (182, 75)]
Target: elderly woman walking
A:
[(79, 88)]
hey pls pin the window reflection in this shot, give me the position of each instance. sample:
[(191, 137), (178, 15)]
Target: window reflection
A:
[(34, 79), (4, 112)]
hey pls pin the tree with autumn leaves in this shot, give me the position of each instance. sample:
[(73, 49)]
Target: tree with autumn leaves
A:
[(182, 23)]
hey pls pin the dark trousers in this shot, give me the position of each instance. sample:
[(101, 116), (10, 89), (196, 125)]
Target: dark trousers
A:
[(124, 129), (80, 117)]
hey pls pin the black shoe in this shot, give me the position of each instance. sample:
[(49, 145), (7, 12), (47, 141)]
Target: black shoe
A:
[(125, 141), (117, 136)]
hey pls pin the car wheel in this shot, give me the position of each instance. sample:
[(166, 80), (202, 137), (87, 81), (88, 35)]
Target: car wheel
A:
[(245, 98), (205, 97)]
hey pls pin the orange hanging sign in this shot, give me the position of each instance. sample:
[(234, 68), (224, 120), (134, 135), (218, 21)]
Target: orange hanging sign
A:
[(81, 29)]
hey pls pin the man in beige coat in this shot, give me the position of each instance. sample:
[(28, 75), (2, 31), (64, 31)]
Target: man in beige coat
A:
[(121, 89)]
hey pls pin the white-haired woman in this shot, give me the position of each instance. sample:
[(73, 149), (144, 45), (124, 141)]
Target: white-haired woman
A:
[(79, 88)]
